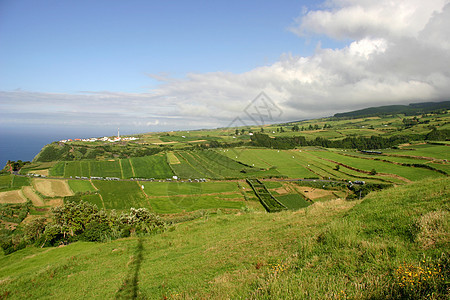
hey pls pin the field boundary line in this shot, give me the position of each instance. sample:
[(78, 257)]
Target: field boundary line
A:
[(103, 202), (132, 167), (202, 160), (93, 185), (121, 170), (368, 172), (145, 194), (185, 159)]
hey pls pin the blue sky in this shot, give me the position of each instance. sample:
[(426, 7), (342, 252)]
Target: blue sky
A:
[(162, 65), (72, 46)]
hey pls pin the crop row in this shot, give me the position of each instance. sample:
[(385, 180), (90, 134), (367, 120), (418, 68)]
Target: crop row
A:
[(270, 203), (154, 166)]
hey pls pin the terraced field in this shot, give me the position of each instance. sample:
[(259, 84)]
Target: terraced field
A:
[(409, 173)]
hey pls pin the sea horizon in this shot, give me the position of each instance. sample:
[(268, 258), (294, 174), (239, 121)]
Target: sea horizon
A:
[(24, 143)]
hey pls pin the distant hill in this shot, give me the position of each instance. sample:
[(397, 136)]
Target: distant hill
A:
[(411, 109)]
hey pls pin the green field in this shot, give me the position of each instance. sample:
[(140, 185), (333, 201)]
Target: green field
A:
[(12, 182), (192, 202), (154, 166), (382, 167), (58, 169), (293, 201), (283, 161), (121, 195), (211, 164), (425, 150), (80, 186), (174, 197), (188, 188), (127, 171), (105, 169)]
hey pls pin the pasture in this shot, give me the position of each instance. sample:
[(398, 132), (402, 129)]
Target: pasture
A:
[(121, 195), (175, 197), (81, 186), (210, 164), (12, 182), (283, 161), (424, 150), (192, 202), (154, 166), (380, 166)]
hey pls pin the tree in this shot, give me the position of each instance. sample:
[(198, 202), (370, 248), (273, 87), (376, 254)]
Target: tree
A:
[(337, 167), (373, 172), (295, 128), (34, 229)]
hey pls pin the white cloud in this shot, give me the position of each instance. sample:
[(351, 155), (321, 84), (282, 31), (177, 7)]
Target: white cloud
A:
[(398, 53), (357, 19)]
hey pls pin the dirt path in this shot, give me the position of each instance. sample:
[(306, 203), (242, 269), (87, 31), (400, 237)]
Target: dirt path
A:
[(93, 185), (172, 159), (30, 194), (103, 202), (132, 168)]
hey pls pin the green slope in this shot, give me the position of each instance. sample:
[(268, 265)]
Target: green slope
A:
[(318, 252)]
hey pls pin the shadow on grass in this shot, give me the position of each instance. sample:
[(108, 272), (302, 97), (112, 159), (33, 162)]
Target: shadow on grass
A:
[(130, 285)]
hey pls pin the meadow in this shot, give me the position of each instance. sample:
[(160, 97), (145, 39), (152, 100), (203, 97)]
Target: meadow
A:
[(120, 195), (318, 252)]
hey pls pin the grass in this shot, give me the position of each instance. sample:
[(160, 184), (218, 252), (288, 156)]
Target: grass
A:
[(188, 188), (81, 186), (58, 170), (317, 252), (293, 201), (284, 162), (121, 195), (381, 167), (192, 202), (12, 182), (425, 150), (175, 197), (105, 169), (154, 166), (127, 170)]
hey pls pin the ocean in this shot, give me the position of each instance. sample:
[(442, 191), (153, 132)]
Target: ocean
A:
[(25, 142)]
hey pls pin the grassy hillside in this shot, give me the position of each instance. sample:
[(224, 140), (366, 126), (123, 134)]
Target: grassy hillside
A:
[(335, 249)]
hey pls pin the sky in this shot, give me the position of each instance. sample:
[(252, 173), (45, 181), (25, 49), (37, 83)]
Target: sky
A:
[(94, 65)]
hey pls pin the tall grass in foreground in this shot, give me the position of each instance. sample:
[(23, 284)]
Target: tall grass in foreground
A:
[(394, 245)]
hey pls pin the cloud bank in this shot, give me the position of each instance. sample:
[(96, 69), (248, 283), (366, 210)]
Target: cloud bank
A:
[(397, 52)]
